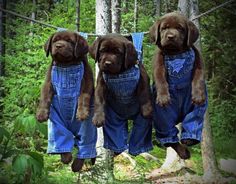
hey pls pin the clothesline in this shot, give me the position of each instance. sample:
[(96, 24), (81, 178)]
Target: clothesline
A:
[(94, 34), (49, 25)]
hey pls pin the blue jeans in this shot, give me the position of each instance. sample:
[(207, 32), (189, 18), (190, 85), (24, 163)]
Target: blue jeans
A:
[(179, 76), (64, 131), (122, 105)]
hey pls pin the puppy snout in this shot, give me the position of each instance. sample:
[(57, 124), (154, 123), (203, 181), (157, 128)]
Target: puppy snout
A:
[(107, 63), (59, 45), (170, 36)]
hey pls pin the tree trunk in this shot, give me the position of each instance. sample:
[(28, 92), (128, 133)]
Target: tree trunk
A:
[(166, 5), (116, 18), (157, 5), (135, 15), (33, 16), (77, 22), (103, 26), (211, 172), (193, 12), (183, 7), (103, 16)]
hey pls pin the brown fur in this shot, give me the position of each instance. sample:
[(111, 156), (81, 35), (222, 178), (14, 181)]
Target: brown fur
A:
[(66, 49), (174, 34), (115, 54)]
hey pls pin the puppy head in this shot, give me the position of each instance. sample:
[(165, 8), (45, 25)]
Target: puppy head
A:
[(114, 53), (66, 46), (174, 32)]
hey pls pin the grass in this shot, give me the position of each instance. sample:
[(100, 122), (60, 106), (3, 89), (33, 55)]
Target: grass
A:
[(124, 172)]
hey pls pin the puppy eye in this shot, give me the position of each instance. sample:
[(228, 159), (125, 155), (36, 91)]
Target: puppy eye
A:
[(102, 51), (69, 40), (117, 51), (164, 28), (180, 28)]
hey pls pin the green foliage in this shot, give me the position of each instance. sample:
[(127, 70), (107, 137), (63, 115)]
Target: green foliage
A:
[(23, 139), (218, 45)]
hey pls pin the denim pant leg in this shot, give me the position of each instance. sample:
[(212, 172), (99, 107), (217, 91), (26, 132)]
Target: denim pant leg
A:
[(60, 139), (115, 131), (141, 135), (192, 124), (85, 137), (165, 119)]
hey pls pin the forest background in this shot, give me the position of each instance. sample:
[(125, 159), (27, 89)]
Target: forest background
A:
[(23, 65)]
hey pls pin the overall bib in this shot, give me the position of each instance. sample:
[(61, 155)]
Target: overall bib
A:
[(64, 131), (122, 105), (181, 109)]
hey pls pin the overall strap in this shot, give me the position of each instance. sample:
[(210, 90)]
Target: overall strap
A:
[(138, 44)]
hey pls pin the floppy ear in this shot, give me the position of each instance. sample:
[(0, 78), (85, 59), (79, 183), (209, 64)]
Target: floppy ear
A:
[(81, 46), (130, 55), (193, 34), (48, 45), (154, 32), (94, 49)]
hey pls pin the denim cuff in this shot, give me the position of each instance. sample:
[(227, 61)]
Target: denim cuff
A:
[(143, 150), (115, 149), (191, 136), (58, 151), (168, 140), (88, 151)]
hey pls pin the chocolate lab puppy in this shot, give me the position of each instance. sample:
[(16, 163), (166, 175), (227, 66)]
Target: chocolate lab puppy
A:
[(67, 49), (66, 95), (180, 92), (122, 90)]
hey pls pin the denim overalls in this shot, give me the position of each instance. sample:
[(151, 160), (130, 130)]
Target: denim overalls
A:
[(122, 104), (64, 131), (181, 109)]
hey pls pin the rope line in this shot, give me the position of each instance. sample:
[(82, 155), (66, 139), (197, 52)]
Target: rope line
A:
[(95, 35), (212, 9)]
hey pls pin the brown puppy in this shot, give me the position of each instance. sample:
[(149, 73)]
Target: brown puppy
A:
[(174, 34), (67, 49), (115, 54)]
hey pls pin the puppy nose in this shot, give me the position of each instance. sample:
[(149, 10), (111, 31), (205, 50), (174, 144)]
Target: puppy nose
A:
[(107, 63), (59, 45), (170, 36)]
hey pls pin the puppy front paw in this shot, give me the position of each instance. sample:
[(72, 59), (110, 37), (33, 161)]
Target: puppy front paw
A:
[(42, 114), (163, 99), (99, 119), (146, 110), (198, 96), (82, 114)]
